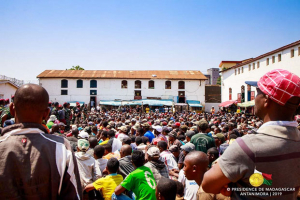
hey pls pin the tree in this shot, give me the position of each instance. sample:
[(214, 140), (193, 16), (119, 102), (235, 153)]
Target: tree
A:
[(76, 68), (219, 81)]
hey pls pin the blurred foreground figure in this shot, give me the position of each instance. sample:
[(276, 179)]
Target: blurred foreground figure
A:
[(34, 164)]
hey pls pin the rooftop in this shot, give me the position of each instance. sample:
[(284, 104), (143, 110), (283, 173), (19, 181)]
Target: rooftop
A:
[(122, 74)]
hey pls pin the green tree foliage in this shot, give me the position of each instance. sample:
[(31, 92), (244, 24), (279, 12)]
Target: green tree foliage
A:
[(219, 81), (76, 68)]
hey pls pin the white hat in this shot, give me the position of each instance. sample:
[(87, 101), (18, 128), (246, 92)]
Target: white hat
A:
[(52, 118), (83, 135), (74, 127), (157, 128), (153, 151)]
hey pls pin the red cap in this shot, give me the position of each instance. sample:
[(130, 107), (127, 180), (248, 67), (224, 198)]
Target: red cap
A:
[(150, 123), (6, 100), (60, 106), (177, 124), (164, 124), (280, 85)]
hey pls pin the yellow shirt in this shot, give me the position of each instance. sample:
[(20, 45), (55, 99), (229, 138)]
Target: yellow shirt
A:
[(108, 184), (104, 142), (112, 155)]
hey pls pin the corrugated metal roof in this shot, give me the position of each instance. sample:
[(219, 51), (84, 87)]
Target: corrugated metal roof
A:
[(120, 74)]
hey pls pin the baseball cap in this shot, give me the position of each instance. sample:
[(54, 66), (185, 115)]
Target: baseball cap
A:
[(153, 151), (188, 147), (190, 134), (123, 128), (177, 124), (61, 124), (279, 84), (83, 145), (83, 135), (157, 128), (220, 136), (174, 148)]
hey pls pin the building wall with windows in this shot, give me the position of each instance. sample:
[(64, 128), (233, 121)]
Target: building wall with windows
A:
[(111, 89), (233, 79)]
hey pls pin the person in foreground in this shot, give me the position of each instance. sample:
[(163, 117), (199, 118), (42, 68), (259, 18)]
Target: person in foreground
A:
[(165, 189), (107, 184), (273, 154), (29, 167), (141, 181)]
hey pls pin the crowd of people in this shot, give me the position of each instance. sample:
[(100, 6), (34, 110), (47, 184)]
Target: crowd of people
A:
[(52, 151)]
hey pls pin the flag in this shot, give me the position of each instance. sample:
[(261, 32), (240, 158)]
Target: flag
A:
[(267, 177)]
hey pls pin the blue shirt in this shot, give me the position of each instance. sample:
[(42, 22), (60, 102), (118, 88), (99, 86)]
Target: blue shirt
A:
[(149, 135)]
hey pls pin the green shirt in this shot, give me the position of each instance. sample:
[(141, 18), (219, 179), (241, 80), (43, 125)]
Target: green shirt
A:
[(141, 181), (202, 142)]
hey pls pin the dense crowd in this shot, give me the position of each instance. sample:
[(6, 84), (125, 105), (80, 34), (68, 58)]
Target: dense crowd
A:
[(129, 154)]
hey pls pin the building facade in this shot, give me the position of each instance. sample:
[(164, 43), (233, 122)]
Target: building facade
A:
[(233, 79), (96, 85)]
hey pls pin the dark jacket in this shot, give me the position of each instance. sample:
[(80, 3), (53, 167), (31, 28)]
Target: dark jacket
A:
[(37, 165)]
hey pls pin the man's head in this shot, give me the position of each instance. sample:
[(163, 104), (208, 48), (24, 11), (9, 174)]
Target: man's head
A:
[(111, 134), (138, 140), (30, 104), (278, 95), (162, 146), (93, 141), (153, 153), (107, 149), (138, 158), (219, 139), (165, 189), (55, 128), (187, 148), (98, 151), (212, 154), (189, 135), (112, 165), (126, 150), (174, 150), (195, 165)]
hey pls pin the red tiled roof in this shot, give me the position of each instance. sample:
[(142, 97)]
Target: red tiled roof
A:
[(120, 74)]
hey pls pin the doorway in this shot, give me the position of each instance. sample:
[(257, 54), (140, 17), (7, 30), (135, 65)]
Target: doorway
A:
[(93, 101)]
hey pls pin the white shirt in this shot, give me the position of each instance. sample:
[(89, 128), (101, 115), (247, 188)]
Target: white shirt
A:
[(116, 145), (190, 186), (168, 158), (102, 163), (121, 136)]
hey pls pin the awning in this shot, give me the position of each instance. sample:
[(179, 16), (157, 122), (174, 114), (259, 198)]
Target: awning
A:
[(227, 103), (110, 103), (246, 104), (194, 103), (73, 103)]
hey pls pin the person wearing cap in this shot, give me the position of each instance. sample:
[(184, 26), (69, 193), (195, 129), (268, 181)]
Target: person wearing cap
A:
[(173, 139), (122, 133), (157, 167), (147, 132), (62, 127), (189, 135), (55, 110), (201, 140), (272, 151), (88, 168), (219, 139)]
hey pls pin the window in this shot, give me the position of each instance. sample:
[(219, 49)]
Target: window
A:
[(168, 85), (273, 59), (151, 85), (239, 70), (93, 84), (235, 71), (64, 92), (124, 84), (64, 83), (137, 84), (230, 93), (268, 60), (292, 53), (242, 69), (253, 66), (249, 67), (137, 93), (257, 65), (279, 57), (181, 85), (93, 92), (79, 83)]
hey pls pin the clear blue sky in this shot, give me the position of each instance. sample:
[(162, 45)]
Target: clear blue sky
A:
[(140, 34)]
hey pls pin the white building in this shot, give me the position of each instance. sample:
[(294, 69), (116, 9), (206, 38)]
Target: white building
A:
[(233, 78), (8, 86), (96, 85)]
